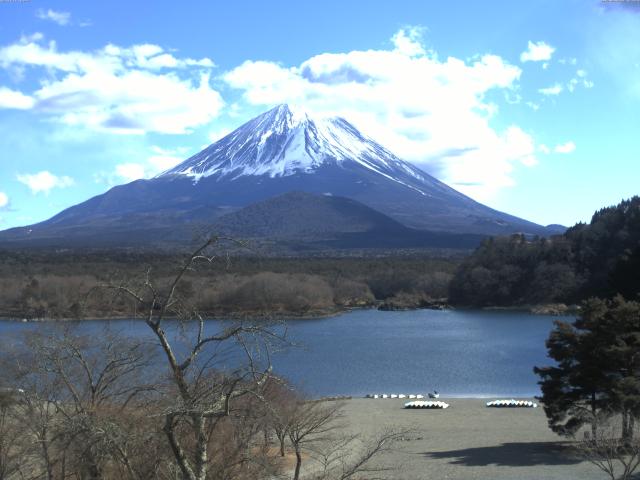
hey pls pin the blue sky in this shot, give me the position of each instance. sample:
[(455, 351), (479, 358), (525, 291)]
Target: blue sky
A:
[(531, 108)]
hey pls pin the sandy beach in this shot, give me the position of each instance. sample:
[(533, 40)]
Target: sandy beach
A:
[(468, 441)]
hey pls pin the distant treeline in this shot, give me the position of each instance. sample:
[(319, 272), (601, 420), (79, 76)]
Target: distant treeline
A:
[(55, 284), (601, 258)]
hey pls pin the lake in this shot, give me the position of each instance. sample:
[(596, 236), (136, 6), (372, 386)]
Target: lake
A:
[(460, 353)]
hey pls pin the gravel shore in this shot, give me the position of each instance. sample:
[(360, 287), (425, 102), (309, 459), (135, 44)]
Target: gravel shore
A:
[(468, 441)]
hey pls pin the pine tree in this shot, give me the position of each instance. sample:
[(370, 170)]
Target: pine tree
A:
[(598, 368)]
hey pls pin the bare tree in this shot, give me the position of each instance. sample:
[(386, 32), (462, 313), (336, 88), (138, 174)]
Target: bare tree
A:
[(12, 445), (344, 458), (311, 423), (618, 458), (78, 397), (200, 391), (280, 407)]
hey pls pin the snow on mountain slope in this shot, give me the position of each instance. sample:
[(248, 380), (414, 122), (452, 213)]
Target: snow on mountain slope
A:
[(285, 141)]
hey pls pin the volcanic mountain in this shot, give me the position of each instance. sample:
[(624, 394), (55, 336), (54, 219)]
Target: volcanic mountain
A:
[(283, 150)]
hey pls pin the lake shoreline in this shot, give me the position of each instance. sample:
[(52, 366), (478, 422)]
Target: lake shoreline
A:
[(542, 309)]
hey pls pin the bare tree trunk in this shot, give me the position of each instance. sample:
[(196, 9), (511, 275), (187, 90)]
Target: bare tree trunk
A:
[(282, 452), (178, 453), (46, 455), (201, 447), (594, 422), (625, 426), (296, 474)]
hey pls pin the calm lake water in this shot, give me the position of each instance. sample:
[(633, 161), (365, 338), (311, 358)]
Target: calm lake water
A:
[(457, 352)]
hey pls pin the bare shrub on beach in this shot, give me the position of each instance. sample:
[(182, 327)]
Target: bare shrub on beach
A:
[(618, 458)]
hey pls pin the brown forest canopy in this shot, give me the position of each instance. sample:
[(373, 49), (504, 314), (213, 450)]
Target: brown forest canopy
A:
[(49, 284)]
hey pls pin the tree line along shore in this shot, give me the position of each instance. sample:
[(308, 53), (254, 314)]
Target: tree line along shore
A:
[(54, 285), (599, 259)]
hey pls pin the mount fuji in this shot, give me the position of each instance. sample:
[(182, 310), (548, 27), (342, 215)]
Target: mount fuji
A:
[(283, 150)]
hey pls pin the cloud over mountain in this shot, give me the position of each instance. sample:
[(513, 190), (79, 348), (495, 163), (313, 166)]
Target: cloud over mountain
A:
[(434, 112)]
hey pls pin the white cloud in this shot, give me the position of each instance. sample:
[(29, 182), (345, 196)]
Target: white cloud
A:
[(552, 90), (579, 79), (14, 99), (164, 159), (160, 160), (568, 61), (571, 84), (432, 112), (567, 147), (130, 171), (537, 52), (408, 41), (44, 181), (61, 18), (4, 200), (120, 90)]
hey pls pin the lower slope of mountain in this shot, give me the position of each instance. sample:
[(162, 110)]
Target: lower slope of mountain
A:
[(288, 223), (303, 221), (283, 150)]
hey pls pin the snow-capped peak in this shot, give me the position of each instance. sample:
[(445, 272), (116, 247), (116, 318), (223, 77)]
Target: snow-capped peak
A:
[(288, 140)]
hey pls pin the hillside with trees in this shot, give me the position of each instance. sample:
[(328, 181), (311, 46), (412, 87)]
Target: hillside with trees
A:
[(601, 259)]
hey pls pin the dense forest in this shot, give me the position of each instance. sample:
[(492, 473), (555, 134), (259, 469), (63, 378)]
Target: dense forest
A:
[(55, 284), (601, 258)]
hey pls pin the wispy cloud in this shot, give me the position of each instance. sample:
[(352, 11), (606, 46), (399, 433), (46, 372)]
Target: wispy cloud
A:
[(579, 79), (552, 90), (563, 148), (4, 201), (160, 160), (537, 52), (130, 171), (44, 181), (164, 159), (61, 18), (567, 147)]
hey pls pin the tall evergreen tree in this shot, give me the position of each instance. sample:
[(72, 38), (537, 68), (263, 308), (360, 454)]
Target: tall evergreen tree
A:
[(598, 367)]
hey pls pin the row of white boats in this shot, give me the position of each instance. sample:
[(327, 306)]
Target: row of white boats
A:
[(419, 403), (393, 395), (434, 395), (512, 404), (428, 404)]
